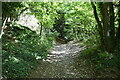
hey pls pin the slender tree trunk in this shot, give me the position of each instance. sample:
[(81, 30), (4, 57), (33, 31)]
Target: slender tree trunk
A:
[(20, 13), (118, 36), (112, 26), (41, 29), (100, 29), (118, 30), (3, 26)]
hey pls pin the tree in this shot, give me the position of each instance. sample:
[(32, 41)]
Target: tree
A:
[(106, 24), (60, 24), (118, 30), (11, 10)]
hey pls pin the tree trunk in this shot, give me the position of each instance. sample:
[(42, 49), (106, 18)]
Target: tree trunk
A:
[(112, 26), (118, 30), (41, 29), (2, 28), (100, 29), (105, 21)]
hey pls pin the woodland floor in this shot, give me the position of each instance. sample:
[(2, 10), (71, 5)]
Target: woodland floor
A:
[(63, 63)]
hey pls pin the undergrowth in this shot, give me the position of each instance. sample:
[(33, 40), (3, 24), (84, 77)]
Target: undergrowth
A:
[(22, 50), (104, 63)]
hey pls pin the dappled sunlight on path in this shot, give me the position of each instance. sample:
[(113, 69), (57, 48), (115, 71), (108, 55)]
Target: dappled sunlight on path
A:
[(61, 63)]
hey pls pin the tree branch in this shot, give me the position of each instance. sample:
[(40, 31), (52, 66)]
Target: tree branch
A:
[(3, 26)]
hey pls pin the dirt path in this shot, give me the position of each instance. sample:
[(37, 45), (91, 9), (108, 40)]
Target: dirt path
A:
[(63, 63)]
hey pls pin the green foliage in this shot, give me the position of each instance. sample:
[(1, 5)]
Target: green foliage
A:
[(76, 22), (90, 53), (80, 22), (101, 61), (12, 10), (22, 49), (91, 41)]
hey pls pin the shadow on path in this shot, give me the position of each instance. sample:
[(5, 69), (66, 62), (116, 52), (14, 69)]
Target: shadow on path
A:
[(63, 63)]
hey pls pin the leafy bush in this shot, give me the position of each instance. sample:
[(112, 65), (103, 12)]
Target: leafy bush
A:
[(22, 49), (90, 53), (103, 62)]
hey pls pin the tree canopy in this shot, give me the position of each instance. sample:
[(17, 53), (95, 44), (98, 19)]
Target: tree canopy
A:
[(95, 25)]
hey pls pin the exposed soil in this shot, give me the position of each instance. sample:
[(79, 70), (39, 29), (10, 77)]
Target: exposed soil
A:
[(63, 63)]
